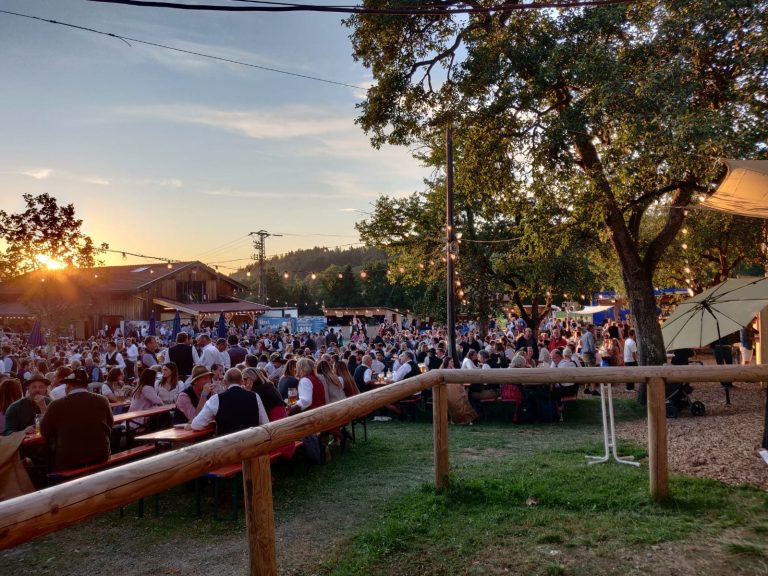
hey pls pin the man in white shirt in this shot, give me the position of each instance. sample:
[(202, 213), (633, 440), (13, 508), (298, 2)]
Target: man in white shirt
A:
[(237, 408), (630, 354), (224, 358), (131, 357), (210, 354)]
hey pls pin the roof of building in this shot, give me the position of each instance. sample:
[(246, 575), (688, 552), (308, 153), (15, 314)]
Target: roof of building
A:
[(228, 306), (127, 278)]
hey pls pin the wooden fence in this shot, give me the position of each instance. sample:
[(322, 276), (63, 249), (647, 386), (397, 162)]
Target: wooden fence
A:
[(33, 515)]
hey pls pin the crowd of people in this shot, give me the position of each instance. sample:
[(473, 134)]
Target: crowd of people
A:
[(67, 393)]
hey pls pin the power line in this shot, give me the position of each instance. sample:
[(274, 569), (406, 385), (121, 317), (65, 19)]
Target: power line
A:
[(436, 10), (128, 40)]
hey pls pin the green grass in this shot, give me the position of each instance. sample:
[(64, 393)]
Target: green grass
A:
[(374, 510)]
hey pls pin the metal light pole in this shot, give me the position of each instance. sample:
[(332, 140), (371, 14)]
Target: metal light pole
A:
[(450, 243)]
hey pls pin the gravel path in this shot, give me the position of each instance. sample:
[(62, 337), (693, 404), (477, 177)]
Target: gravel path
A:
[(723, 444)]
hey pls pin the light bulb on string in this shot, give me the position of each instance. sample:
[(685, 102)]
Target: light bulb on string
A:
[(685, 246), (313, 276)]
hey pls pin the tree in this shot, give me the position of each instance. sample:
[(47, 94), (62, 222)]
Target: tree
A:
[(44, 234), (59, 299), (613, 110)]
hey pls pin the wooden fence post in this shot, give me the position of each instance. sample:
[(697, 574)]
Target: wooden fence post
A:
[(657, 438), (440, 433), (259, 515)]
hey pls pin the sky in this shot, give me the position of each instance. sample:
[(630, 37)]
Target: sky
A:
[(176, 156)]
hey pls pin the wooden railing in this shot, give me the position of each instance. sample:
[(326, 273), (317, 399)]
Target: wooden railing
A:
[(51, 509)]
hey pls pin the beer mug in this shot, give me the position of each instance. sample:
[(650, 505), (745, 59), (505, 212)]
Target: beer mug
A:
[(293, 396)]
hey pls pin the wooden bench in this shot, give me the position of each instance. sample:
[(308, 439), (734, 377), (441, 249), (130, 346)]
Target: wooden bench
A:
[(231, 472), (561, 405), (114, 459)]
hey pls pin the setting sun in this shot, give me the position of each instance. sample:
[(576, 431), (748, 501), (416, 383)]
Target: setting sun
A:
[(49, 262)]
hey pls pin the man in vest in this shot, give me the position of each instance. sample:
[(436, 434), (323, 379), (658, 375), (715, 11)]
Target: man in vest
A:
[(408, 367), (183, 355), (192, 399), (234, 409), (114, 359), (364, 374)]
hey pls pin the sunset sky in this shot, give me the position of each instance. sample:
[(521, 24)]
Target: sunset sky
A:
[(173, 155)]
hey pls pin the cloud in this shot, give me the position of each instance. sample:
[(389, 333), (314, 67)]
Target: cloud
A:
[(349, 210), (270, 195), (38, 173), (278, 123), (96, 180)]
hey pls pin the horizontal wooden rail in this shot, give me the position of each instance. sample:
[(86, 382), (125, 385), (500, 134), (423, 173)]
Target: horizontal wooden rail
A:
[(615, 375), (51, 509)]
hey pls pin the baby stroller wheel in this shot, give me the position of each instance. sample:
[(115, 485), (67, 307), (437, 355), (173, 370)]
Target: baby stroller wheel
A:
[(672, 411), (697, 409)]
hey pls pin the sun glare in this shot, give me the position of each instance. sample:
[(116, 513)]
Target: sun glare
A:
[(49, 262)]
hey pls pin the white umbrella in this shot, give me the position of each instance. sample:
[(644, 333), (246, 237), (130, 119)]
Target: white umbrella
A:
[(721, 310)]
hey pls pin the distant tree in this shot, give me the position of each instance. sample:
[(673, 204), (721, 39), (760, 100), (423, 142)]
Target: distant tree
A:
[(58, 300), (44, 232)]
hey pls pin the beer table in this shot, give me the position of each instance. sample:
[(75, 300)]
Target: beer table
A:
[(177, 434), (154, 411)]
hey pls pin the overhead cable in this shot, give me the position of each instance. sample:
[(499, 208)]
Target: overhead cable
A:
[(403, 11), (128, 39)]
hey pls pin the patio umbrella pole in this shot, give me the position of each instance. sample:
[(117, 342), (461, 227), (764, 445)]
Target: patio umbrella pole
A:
[(706, 307)]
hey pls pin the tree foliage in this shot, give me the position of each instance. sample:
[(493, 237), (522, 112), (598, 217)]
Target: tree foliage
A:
[(611, 110), (44, 231)]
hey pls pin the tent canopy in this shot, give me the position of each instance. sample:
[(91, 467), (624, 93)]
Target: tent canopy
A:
[(744, 190)]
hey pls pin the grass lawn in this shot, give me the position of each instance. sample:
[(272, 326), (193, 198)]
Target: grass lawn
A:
[(522, 501)]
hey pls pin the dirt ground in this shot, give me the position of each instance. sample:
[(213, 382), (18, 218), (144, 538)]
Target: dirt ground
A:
[(723, 444)]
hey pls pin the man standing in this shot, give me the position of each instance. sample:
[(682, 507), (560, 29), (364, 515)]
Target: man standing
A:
[(234, 409), (630, 354), (588, 346), (224, 359), (77, 428), (209, 355), (113, 358), (236, 351), (131, 357), (183, 355), (149, 357)]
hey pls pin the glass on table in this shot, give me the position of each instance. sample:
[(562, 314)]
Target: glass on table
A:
[(293, 396)]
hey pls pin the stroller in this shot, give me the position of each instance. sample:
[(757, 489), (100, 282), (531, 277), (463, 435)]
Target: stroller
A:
[(678, 398)]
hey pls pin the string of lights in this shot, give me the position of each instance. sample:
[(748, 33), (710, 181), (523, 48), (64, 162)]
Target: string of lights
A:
[(128, 40), (431, 10)]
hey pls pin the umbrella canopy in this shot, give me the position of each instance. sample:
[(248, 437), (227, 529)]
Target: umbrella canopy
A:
[(176, 326), (152, 322), (744, 190), (714, 313), (222, 326), (36, 336)]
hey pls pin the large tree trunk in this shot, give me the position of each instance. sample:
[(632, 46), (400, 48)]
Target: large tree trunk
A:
[(642, 303)]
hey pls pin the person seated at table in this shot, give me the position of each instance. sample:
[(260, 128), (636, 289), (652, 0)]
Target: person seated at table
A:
[(77, 428), (169, 386), (364, 374), (115, 388), (144, 395), (57, 387), (10, 392), (407, 367), (191, 400), (288, 379), (20, 415), (257, 381), (564, 359), (334, 389), (311, 389), (234, 409)]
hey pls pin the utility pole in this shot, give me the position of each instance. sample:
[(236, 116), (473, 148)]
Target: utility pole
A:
[(450, 247), (259, 245)]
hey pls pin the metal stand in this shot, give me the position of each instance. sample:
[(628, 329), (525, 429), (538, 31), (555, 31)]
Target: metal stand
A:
[(609, 431)]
